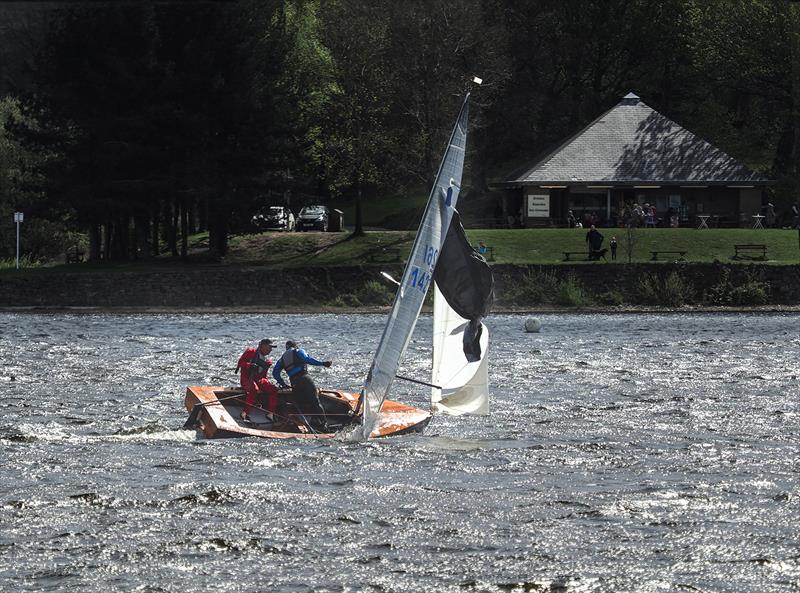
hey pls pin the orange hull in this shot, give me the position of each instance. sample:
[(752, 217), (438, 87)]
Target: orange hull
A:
[(219, 417)]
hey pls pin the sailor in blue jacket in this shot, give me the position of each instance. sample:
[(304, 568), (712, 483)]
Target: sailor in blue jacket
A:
[(295, 362)]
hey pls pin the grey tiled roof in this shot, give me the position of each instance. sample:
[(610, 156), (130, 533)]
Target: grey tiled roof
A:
[(632, 143)]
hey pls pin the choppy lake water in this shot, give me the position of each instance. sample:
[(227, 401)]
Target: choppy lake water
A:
[(624, 453)]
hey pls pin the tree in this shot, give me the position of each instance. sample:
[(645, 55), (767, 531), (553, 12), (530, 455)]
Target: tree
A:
[(743, 93), (18, 187), (352, 138), (436, 48), (163, 110)]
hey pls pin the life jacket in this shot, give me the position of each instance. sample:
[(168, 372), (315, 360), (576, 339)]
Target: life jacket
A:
[(255, 371), (293, 364)]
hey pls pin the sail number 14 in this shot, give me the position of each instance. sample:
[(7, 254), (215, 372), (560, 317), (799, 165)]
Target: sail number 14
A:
[(419, 278)]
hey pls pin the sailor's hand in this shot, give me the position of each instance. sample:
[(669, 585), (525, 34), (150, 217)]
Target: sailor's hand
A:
[(327, 364)]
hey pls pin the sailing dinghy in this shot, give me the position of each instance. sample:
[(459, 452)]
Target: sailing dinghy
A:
[(463, 297)]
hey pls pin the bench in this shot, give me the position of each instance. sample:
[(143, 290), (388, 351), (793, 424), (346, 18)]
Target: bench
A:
[(750, 248), (386, 255), (587, 256), (74, 255), (568, 254), (680, 254)]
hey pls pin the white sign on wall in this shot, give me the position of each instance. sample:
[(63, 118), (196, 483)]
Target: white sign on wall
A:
[(538, 205)]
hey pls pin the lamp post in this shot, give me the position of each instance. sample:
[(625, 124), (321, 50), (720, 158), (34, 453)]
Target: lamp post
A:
[(18, 218)]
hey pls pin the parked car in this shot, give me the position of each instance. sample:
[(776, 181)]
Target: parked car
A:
[(313, 217), (274, 218)]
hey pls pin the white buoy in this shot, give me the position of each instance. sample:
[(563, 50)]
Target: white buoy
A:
[(532, 325)]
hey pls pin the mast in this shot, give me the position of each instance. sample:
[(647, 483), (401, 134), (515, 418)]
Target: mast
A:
[(417, 276)]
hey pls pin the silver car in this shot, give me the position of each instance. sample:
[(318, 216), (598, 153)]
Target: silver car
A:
[(314, 218), (274, 218)]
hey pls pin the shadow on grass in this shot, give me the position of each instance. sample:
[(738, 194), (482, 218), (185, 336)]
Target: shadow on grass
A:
[(356, 256)]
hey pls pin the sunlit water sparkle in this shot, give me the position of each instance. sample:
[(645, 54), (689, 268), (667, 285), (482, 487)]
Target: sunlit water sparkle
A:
[(624, 453)]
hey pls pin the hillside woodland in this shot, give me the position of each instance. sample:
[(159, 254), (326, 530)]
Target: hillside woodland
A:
[(127, 127)]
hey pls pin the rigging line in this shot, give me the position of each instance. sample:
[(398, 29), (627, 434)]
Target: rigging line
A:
[(418, 381)]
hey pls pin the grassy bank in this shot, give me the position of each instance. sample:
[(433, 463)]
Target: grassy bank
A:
[(518, 246)]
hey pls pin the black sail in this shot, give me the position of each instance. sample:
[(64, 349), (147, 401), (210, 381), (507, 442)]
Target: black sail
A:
[(466, 282)]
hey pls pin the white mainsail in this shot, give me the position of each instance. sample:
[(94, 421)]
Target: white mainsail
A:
[(462, 386), (417, 276)]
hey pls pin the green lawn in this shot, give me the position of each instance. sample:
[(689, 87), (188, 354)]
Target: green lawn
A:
[(547, 245), (391, 212), (519, 246), (315, 248)]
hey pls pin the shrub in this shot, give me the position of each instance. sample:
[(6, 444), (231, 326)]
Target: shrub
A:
[(719, 294), (648, 289), (571, 293), (672, 291), (532, 288), (346, 300), (611, 297), (375, 293), (25, 261), (676, 292), (750, 292)]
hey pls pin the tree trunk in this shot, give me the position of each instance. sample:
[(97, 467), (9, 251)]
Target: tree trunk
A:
[(95, 248), (184, 227), (202, 215), (173, 227), (794, 53), (359, 230), (155, 222), (141, 228), (217, 228), (192, 215), (107, 240)]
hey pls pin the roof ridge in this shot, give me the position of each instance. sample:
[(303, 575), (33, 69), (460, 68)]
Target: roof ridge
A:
[(639, 143)]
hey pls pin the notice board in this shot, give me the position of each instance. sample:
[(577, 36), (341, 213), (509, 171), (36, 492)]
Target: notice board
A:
[(538, 205)]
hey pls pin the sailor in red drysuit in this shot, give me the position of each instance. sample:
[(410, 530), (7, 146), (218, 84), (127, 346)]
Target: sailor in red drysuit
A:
[(254, 365)]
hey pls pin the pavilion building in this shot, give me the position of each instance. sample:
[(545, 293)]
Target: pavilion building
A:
[(630, 154)]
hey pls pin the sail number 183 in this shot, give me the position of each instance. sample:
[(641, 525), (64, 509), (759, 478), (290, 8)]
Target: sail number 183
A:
[(420, 278)]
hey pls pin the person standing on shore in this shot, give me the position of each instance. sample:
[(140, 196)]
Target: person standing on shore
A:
[(613, 245), (595, 241), (295, 362), (253, 366)]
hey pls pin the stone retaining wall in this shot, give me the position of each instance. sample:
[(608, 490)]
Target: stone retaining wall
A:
[(222, 286)]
